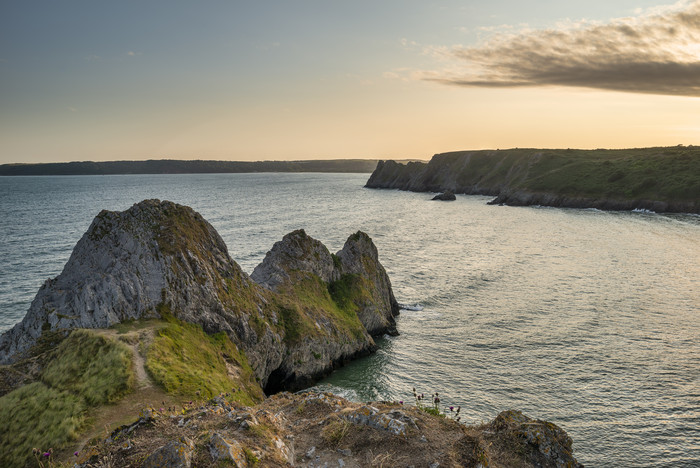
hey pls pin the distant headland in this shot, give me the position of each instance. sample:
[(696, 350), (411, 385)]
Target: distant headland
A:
[(174, 166), (663, 179)]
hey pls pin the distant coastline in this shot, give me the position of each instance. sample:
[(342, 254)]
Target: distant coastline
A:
[(173, 166), (664, 179)]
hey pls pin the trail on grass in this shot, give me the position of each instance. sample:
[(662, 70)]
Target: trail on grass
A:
[(146, 392)]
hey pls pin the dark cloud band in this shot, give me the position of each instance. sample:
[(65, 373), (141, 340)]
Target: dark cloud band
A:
[(657, 54)]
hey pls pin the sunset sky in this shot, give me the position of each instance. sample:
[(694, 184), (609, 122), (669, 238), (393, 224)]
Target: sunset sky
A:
[(98, 80)]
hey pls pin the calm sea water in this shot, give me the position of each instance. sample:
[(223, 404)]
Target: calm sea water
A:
[(588, 319)]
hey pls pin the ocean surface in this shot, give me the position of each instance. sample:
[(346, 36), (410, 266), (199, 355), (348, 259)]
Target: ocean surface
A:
[(584, 318)]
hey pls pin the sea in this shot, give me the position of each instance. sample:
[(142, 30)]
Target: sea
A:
[(587, 319)]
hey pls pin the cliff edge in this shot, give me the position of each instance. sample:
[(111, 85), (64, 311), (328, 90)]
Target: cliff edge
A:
[(318, 429), (655, 179)]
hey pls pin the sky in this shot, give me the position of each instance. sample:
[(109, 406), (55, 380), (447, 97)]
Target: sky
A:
[(322, 79)]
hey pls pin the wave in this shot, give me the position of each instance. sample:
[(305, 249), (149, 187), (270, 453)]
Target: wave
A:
[(413, 307)]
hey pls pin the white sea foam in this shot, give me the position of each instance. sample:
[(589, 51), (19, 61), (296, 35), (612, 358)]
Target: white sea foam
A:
[(642, 210), (413, 307)]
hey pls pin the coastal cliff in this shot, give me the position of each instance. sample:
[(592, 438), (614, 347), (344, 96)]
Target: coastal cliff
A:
[(655, 179)]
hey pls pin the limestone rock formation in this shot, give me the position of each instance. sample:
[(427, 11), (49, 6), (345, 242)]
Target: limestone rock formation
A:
[(312, 312), (359, 263), (355, 269), (152, 258), (295, 252), (352, 285)]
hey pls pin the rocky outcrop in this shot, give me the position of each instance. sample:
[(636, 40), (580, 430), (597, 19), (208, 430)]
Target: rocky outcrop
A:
[(175, 454), (448, 195), (654, 179), (317, 429), (311, 312), (347, 300), (156, 257), (295, 252), (371, 291)]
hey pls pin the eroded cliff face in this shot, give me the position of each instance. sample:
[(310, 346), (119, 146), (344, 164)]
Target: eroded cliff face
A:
[(359, 266), (341, 301), (159, 258)]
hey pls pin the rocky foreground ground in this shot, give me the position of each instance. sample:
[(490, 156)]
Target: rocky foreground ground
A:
[(324, 430)]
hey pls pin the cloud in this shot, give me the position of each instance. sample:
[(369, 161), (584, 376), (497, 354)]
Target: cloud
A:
[(656, 52), (131, 53)]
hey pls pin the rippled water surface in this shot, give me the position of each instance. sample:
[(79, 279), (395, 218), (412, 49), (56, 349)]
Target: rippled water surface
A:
[(588, 319)]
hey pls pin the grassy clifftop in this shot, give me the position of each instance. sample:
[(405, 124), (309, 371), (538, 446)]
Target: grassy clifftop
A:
[(661, 179)]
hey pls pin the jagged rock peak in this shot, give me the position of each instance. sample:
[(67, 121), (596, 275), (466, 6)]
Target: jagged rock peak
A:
[(356, 266), (359, 259), (297, 251), (126, 266)]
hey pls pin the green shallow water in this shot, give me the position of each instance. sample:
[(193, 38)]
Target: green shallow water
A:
[(588, 319)]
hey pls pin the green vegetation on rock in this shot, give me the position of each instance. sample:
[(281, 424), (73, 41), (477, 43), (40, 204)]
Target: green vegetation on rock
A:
[(600, 178), (308, 298), (186, 361)]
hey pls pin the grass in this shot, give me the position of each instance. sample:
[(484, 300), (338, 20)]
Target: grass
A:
[(83, 371), (334, 432), (186, 361), (309, 298), (95, 367), (37, 416), (661, 174)]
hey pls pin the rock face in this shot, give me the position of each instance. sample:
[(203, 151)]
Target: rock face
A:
[(318, 429), (359, 263), (295, 252), (448, 195), (652, 179), (352, 285), (153, 258), (156, 258)]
